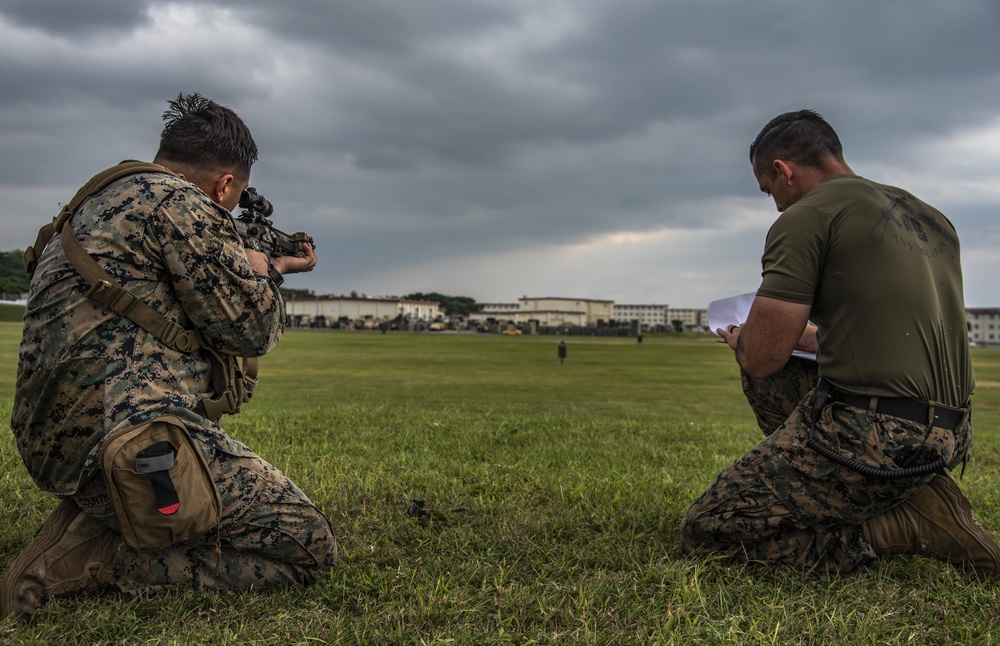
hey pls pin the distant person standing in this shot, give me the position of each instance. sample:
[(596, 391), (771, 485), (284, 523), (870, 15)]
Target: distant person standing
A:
[(562, 351)]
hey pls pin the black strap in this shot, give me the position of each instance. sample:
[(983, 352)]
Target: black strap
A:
[(156, 461), (275, 275), (915, 410)]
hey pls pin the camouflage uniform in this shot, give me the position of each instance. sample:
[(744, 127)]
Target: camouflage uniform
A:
[(881, 274), (85, 372), (782, 502)]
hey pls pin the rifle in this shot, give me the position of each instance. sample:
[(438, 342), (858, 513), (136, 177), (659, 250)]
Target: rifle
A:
[(255, 228)]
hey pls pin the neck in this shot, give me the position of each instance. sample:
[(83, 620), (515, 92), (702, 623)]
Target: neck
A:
[(834, 168), (811, 177)]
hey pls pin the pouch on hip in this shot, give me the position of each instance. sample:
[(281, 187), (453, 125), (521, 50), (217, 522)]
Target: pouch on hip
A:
[(160, 485)]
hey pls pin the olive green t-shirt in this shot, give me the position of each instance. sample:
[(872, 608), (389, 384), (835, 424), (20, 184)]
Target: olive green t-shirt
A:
[(882, 272)]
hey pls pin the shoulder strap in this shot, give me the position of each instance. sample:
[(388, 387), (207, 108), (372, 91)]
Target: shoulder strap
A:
[(96, 184), (122, 301), (232, 385), (102, 288)]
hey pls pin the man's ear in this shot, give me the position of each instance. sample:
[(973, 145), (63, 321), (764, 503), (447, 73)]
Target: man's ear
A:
[(784, 169), (222, 185)]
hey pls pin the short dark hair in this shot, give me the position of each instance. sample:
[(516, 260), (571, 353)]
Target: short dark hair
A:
[(202, 134), (803, 137)]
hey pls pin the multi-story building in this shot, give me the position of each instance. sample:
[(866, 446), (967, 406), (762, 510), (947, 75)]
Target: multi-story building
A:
[(648, 316), (984, 325), (551, 311), (496, 311), (691, 318), (328, 309)]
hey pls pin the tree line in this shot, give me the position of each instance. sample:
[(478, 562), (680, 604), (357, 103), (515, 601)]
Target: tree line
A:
[(13, 280), (453, 305)]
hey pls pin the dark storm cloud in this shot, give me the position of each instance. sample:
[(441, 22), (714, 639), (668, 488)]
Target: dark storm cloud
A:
[(402, 134), (75, 19)]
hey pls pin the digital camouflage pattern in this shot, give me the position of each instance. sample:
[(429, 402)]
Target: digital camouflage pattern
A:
[(270, 534), (774, 398), (85, 371), (784, 503)]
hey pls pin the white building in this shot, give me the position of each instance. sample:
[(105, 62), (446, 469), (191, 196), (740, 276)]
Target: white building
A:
[(646, 315), (690, 318), (551, 311), (310, 309), (984, 325), (499, 311)]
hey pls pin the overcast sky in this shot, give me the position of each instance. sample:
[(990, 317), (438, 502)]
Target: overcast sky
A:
[(503, 148)]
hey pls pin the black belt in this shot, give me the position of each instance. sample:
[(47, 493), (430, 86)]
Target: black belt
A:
[(915, 410)]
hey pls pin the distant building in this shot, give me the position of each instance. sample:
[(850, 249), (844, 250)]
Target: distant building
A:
[(984, 325), (551, 311), (692, 319), (325, 310), (647, 315), (498, 311)]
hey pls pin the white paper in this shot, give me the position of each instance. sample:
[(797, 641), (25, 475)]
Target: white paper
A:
[(734, 311), (729, 311)]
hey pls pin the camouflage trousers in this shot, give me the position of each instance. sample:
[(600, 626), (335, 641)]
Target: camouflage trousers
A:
[(784, 503), (270, 533)]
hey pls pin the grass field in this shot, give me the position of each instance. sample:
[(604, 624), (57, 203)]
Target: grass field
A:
[(557, 492)]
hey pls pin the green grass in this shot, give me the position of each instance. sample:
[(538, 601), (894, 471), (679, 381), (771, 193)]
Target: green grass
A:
[(558, 491)]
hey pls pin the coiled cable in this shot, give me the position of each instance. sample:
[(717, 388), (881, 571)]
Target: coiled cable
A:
[(820, 397)]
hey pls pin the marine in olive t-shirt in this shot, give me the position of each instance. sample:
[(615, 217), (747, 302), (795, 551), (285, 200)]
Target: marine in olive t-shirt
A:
[(881, 270)]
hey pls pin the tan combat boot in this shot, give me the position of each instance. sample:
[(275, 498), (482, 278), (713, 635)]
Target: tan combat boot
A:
[(71, 553), (936, 522)]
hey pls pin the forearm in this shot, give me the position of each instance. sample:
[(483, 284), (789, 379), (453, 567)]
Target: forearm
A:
[(773, 329), (759, 364)]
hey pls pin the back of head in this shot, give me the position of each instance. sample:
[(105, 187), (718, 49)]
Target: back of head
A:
[(803, 137), (203, 137)]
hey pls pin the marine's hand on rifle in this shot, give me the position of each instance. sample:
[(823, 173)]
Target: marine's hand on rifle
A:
[(254, 227), (294, 264), (258, 261)]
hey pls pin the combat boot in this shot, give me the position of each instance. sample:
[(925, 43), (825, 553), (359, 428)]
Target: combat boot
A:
[(71, 553), (937, 522)]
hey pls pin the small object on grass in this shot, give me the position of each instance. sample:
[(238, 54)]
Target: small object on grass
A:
[(417, 509)]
